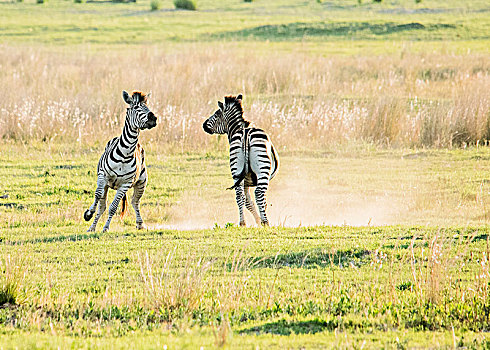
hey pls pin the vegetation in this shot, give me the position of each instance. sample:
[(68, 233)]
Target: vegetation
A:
[(185, 5), (380, 210), (155, 5)]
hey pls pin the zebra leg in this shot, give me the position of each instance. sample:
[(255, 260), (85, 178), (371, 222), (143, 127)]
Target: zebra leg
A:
[(139, 189), (121, 191), (251, 206), (260, 198), (102, 206), (240, 199), (101, 184)]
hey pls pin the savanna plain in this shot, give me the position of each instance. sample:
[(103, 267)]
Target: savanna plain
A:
[(379, 213)]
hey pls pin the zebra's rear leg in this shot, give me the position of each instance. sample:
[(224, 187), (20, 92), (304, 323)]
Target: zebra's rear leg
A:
[(260, 198), (121, 191), (139, 189), (102, 206), (251, 206), (240, 199)]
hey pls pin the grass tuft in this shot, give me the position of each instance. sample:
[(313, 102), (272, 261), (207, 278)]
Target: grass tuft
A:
[(12, 275), (172, 285)]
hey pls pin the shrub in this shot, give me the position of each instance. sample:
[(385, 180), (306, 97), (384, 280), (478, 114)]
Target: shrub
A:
[(155, 5), (185, 4), (377, 0), (41, 1), (248, 0), (78, 1)]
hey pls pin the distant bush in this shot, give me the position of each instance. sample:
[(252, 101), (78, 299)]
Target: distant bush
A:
[(185, 5), (41, 1), (319, 1), (418, 1), (377, 0), (155, 5), (78, 1), (248, 0)]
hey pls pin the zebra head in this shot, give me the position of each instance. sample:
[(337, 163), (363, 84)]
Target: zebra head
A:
[(226, 117), (138, 115)]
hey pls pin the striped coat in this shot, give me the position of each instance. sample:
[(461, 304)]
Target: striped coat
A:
[(253, 158), (122, 165)]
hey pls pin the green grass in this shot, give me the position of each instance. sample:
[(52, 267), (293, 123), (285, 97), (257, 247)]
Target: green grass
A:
[(304, 287), (61, 22)]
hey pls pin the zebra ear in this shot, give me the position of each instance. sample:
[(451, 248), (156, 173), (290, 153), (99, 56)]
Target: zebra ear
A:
[(239, 97), (220, 105), (126, 97), (148, 95)]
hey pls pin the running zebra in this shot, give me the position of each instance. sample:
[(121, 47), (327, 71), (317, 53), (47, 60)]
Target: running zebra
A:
[(253, 159), (122, 164)]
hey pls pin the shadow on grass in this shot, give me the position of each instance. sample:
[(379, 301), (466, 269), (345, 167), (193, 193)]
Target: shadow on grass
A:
[(316, 258), (52, 239), (298, 30), (283, 327)]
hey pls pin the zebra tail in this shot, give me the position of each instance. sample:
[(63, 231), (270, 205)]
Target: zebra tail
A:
[(124, 206), (239, 180)]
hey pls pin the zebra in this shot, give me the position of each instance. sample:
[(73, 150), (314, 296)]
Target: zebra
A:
[(122, 165), (253, 158)]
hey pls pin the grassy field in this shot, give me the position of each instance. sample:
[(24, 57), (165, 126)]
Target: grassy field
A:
[(62, 22), (193, 279), (379, 212)]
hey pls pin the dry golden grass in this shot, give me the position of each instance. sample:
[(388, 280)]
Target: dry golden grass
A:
[(409, 99)]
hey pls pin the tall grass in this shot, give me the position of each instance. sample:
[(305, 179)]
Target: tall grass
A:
[(174, 288), (12, 276), (419, 100)]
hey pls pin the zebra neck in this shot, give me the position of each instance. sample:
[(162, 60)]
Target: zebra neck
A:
[(128, 140)]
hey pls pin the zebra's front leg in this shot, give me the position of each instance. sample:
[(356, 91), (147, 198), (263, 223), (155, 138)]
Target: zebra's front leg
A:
[(99, 193), (139, 189), (260, 198), (102, 206), (121, 191), (251, 206), (240, 199)]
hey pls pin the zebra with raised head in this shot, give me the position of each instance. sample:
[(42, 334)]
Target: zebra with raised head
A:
[(253, 159), (122, 164)]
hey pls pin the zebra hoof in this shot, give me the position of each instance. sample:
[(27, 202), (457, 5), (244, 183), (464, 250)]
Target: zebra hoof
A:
[(265, 223), (87, 215), (242, 224), (105, 229), (140, 226), (91, 229)]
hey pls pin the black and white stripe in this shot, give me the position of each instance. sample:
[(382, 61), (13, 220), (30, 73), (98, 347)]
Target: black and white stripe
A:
[(253, 159), (122, 165)]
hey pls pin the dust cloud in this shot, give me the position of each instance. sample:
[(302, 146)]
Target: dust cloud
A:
[(300, 200), (295, 198)]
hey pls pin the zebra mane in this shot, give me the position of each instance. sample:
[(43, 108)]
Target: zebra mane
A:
[(139, 96), (237, 103)]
